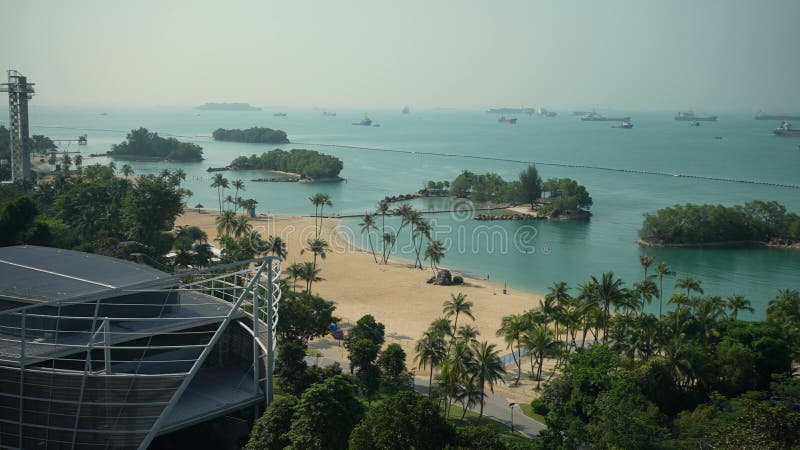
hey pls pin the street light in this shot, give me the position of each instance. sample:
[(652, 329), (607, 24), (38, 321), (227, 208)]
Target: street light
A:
[(512, 405)]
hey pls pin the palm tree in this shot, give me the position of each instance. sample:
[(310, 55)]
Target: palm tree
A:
[(241, 225), (646, 261), (383, 210), (294, 272), (422, 229), (78, 160), (406, 213), (367, 224), (309, 274), (467, 333), (435, 252), (277, 246), (229, 201), (785, 307), (690, 284), (388, 240), (511, 328), (319, 200), (112, 166), (487, 367), (164, 174), (609, 293), (541, 343), (458, 304), (239, 186), (226, 223), (318, 247), (738, 303), (430, 352), (662, 269), (127, 170), (179, 174), (645, 290), (554, 302), (219, 182)]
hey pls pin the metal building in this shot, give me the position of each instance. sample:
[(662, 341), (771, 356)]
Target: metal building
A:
[(19, 92), (97, 352)]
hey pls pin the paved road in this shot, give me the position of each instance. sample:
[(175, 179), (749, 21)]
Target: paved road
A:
[(494, 406)]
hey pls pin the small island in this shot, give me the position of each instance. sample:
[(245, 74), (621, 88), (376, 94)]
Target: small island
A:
[(756, 223), (565, 200), (228, 107), (142, 144), (254, 135), (307, 165)]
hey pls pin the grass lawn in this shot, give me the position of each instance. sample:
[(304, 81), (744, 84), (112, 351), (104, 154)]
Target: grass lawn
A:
[(472, 418), (528, 410)]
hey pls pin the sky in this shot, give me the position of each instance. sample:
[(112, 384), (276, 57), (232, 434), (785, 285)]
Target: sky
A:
[(710, 55)]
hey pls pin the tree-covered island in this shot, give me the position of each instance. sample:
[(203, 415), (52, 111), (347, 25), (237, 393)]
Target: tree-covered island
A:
[(143, 144), (308, 164), (690, 225), (565, 198), (255, 135)]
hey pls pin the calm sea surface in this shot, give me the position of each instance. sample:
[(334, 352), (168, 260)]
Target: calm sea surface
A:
[(525, 255)]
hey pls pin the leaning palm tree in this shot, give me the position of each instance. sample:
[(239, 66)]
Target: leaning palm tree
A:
[(127, 170), (239, 186), (388, 240), (487, 368), (318, 247), (422, 230), (226, 223), (430, 352), (406, 214), (690, 284), (277, 246), (662, 269), (435, 252), (220, 183), (736, 303), (366, 227)]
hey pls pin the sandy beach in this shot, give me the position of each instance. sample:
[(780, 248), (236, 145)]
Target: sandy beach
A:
[(395, 294)]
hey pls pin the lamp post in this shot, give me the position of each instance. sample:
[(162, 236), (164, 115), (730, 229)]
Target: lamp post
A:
[(512, 405)]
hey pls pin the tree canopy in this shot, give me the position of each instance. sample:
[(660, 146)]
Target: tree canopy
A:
[(703, 224), (142, 143), (260, 135), (307, 163)]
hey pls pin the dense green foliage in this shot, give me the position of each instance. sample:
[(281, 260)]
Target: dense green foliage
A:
[(144, 144), (260, 135), (307, 163), (270, 430), (565, 193), (696, 377), (702, 224), (96, 212)]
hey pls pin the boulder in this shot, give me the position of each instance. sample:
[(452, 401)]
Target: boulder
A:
[(444, 278)]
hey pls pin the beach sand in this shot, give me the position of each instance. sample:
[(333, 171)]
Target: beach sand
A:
[(395, 294)]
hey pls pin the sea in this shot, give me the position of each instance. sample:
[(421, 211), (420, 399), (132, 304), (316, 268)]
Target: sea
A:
[(629, 173)]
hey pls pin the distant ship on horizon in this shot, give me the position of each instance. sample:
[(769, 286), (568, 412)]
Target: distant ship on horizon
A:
[(594, 117), (405, 110), (690, 116), (365, 122), (503, 119), (785, 129), (763, 116), (528, 111)]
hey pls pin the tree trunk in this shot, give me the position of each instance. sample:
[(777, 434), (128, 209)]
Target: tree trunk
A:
[(371, 248)]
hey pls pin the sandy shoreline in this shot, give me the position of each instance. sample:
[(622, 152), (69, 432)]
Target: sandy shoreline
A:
[(396, 294)]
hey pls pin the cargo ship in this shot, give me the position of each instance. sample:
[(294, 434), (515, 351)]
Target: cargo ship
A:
[(365, 122), (762, 116), (785, 129), (625, 125), (690, 116), (594, 117), (503, 119), (528, 111)]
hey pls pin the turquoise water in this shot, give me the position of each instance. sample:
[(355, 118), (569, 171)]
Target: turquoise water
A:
[(554, 251)]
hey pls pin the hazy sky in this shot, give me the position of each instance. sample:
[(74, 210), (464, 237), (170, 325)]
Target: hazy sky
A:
[(712, 55)]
